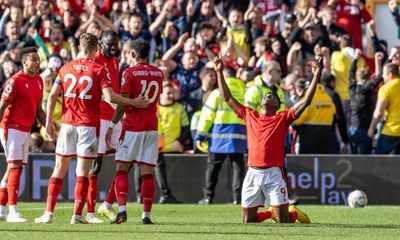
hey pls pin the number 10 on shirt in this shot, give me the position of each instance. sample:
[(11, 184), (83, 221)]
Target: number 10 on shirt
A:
[(146, 90)]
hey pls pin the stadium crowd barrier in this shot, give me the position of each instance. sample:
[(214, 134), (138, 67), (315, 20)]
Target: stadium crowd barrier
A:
[(326, 179)]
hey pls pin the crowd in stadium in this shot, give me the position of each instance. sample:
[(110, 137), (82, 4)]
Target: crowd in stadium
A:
[(292, 64), (251, 38)]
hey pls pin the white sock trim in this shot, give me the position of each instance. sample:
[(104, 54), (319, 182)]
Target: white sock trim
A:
[(145, 214)]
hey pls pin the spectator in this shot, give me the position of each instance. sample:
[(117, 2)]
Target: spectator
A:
[(350, 14), (388, 104), (340, 63), (362, 104), (339, 121), (266, 82), (226, 134), (175, 129), (316, 123)]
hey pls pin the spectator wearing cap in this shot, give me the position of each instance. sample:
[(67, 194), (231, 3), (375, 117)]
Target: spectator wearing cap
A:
[(13, 35), (308, 36), (268, 81), (283, 36), (350, 15)]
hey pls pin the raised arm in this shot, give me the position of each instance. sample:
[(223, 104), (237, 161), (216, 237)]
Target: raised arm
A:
[(223, 88), (300, 106)]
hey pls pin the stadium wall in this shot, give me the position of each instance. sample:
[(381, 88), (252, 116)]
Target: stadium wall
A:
[(313, 179)]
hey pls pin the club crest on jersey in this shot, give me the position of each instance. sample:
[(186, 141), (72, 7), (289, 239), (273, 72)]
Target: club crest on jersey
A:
[(26, 85)]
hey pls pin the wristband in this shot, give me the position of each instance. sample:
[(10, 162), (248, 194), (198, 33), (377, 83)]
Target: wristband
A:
[(112, 125)]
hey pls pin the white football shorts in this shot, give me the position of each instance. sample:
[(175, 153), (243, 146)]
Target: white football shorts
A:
[(15, 144), (264, 187), (104, 147), (80, 141), (138, 147)]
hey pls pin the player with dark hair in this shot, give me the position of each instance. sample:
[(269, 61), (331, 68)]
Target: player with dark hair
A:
[(140, 127), (266, 131), (20, 104), (82, 83), (107, 57)]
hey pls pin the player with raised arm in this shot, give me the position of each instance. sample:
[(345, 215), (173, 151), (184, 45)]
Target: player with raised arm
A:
[(20, 104), (82, 83), (107, 56), (140, 130), (266, 131)]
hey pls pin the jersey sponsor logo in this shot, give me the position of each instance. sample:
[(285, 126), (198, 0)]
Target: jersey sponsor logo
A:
[(7, 90)]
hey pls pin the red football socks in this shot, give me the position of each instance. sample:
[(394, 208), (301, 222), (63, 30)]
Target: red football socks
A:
[(110, 198), (92, 193), (3, 196), (262, 216), (121, 187), (81, 192), (293, 216), (54, 189), (13, 185), (147, 192)]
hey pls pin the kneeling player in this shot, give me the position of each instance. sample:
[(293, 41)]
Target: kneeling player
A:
[(264, 182)]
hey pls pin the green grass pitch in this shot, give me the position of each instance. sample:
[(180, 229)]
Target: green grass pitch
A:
[(211, 222)]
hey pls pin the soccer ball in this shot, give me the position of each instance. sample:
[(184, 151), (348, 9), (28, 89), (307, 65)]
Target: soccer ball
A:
[(357, 199)]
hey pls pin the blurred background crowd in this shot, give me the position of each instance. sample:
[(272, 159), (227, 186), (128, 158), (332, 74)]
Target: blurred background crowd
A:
[(266, 45)]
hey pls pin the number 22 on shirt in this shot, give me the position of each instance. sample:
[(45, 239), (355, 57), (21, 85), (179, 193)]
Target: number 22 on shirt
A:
[(76, 85)]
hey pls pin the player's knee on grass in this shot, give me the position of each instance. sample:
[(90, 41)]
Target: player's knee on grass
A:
[(282, 214), (96, 166), (249, 215)]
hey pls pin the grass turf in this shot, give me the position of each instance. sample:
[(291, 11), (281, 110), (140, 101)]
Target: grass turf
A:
[(211, 222)]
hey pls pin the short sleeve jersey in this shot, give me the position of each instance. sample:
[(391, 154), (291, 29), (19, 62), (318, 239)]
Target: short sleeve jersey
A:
[(390, 93), (24, 95), (266, 136), (112, 66), (145, 80), (82, 81)]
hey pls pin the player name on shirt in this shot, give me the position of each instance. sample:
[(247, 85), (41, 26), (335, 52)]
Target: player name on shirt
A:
[(147, 73), (80, 67)]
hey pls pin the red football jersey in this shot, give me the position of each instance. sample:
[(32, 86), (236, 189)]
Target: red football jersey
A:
[(82, 81), (349, 17), (24, 96), (112, 66), (266, 136), (145, 80)]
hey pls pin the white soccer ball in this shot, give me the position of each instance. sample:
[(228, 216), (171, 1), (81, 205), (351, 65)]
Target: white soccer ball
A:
[(357, 199)]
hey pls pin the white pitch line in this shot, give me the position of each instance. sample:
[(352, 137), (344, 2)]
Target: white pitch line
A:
[(23, 209)]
